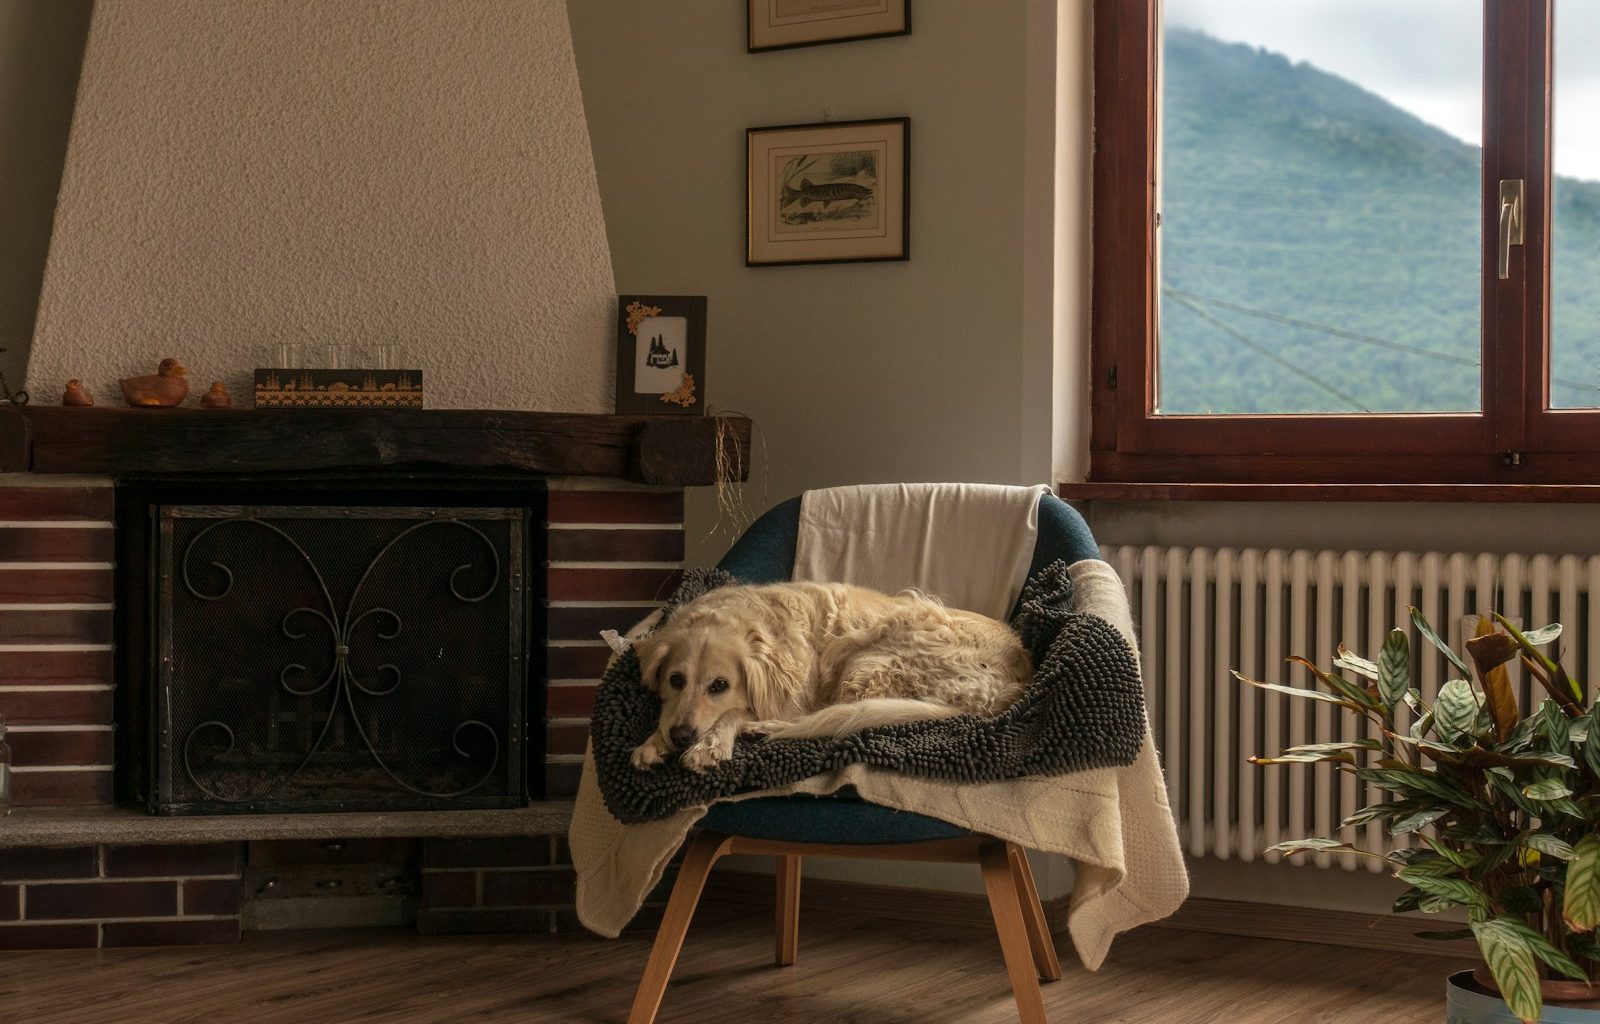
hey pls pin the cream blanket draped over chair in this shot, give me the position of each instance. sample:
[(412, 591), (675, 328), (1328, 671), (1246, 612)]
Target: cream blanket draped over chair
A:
[(973, 551)]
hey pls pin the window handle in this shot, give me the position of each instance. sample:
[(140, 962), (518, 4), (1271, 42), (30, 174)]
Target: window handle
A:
[(1511, 193)]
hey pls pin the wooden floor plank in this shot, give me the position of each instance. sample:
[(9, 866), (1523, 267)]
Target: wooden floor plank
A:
[(855, 971)]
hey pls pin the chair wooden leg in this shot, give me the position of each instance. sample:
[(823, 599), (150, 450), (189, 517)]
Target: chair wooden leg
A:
[(704, 851), (788, 944), (1039, 937), (1006, 905)]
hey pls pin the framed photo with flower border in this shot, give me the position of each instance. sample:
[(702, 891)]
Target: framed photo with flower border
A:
[(661, 354), (783, 24), (831, 192)]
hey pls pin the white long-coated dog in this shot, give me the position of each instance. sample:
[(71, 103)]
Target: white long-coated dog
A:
[(793, 660)]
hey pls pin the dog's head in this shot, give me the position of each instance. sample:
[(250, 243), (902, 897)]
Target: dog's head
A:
[(701, 667)]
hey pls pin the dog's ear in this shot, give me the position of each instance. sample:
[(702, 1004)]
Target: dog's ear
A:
[(652, 651), (774, 675)]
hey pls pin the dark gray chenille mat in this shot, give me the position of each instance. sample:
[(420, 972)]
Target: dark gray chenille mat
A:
[(1084, 709)]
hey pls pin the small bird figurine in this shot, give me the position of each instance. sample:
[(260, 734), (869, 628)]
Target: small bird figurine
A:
[(165, 387), (76, 394), (217, 397)]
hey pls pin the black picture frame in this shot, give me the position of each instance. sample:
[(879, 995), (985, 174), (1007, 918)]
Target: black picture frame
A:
[(762, 35), (889, 137), (632, 311)]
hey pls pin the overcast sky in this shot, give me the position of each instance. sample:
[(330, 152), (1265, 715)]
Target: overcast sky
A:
[(1422, 55)]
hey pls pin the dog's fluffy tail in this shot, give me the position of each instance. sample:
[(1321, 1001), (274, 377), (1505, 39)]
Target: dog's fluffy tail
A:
[(843, 719)]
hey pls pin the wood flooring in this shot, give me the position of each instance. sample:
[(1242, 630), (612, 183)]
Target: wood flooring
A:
[(848, 971)]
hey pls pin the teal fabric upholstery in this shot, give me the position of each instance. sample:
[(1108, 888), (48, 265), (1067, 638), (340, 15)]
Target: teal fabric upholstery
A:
[(765, 554)]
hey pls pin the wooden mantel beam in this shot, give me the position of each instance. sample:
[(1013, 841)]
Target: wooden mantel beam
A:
[(664, 450)]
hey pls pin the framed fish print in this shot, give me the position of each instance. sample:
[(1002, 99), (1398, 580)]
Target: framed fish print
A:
[(661, 354), (781, 24), (835, 192)]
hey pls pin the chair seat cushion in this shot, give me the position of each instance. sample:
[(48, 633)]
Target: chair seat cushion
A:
[(834, 819)]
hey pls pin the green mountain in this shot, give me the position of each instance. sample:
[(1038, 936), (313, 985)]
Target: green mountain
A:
[(1320, 247)]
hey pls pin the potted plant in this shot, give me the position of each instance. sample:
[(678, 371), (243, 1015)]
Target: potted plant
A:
[(1504, 805)]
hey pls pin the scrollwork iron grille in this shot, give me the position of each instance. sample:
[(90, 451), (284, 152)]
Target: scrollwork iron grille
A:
[(332, 658)]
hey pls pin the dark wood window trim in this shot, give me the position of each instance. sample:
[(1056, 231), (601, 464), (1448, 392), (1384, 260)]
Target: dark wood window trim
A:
[(1515, 440)]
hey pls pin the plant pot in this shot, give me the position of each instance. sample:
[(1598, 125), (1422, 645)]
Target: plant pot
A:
[(1468, 1002)]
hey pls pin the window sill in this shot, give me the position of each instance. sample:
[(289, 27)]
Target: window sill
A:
[(1518, 494)]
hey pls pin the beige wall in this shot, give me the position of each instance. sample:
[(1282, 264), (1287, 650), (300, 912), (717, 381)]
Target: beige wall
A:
[(41, 49), (939, 368), (359, 171)]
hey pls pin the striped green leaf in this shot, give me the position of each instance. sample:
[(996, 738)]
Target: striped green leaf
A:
[(1512, 963), (1453, 889), (1433, 638), (1352, 662), (1546, 789), (1553, 958), (1421, 819), (1455, 711), (1581, 906), (1550, 846), (1394, 667)]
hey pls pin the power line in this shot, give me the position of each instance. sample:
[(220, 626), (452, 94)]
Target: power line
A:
[(1262, 350)]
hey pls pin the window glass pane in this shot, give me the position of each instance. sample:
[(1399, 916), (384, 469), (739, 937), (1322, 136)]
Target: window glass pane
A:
[(1575, 247), (1320, 201)]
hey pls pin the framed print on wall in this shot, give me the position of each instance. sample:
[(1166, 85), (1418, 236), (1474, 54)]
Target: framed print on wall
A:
[(780, 24), (834, 192), (661, 354)]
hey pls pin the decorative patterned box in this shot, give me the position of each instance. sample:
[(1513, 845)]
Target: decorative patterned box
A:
[(338, 389)]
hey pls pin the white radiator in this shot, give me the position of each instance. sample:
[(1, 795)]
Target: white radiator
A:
[(1202, 612)]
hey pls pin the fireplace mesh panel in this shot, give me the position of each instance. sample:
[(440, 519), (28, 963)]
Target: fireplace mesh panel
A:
[(317, 658)]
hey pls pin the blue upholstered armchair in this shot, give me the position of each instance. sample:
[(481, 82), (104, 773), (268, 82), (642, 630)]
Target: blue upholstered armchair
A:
[(843, 825)]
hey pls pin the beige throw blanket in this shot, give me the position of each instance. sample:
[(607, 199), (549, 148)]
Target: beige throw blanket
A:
[(1115, 822)]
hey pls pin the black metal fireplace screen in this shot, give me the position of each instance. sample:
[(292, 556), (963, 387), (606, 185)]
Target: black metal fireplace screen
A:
[(325, 658)]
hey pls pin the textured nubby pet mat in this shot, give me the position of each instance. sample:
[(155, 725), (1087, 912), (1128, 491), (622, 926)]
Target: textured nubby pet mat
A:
[(1084, 709)]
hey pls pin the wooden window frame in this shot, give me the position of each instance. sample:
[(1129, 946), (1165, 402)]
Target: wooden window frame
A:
[(1515, 439)]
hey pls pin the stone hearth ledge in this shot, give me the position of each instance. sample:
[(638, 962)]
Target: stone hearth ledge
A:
[(80, 826)]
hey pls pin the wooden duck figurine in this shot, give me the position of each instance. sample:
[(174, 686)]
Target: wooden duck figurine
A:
[(166, 387), (217, 397), (76, 394)]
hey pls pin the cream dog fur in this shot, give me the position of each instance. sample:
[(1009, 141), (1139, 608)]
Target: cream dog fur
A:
[(794, 660)]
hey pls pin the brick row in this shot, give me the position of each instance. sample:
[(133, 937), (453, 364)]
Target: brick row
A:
[(510, 851), (567, 739), (450, 889), (55, 668), (172, 861), (643, 585), (570, 701), (56, 503), (557, 886), (295, 852), (561, 780), (177, 932), (576, 662), (27, 863), (219, 897), (91, 746), (615, 507), (614, 545), (56, 544), (50, 936), (56, 707), (56, 626), (71, 586), (61, 789), (586, 623), (46, 901)]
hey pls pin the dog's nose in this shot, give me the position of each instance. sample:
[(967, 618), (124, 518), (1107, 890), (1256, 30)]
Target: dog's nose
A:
[(681, 735)]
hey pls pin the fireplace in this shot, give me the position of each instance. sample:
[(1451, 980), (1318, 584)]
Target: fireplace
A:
[(337, 657), (598, 504)]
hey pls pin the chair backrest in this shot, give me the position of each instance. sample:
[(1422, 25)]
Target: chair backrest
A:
[(766, 551)]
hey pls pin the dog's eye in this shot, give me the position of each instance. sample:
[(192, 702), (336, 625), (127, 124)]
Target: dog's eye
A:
[(676, 680), (717, 686)]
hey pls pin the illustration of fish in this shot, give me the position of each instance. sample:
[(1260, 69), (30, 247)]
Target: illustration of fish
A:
[(833, 192)]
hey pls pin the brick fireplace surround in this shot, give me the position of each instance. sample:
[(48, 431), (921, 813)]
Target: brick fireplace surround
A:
[(76, 870)]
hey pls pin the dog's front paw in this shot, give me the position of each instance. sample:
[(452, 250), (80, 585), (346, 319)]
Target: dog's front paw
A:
[(709, 752), (647, 754), (760, 730)]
